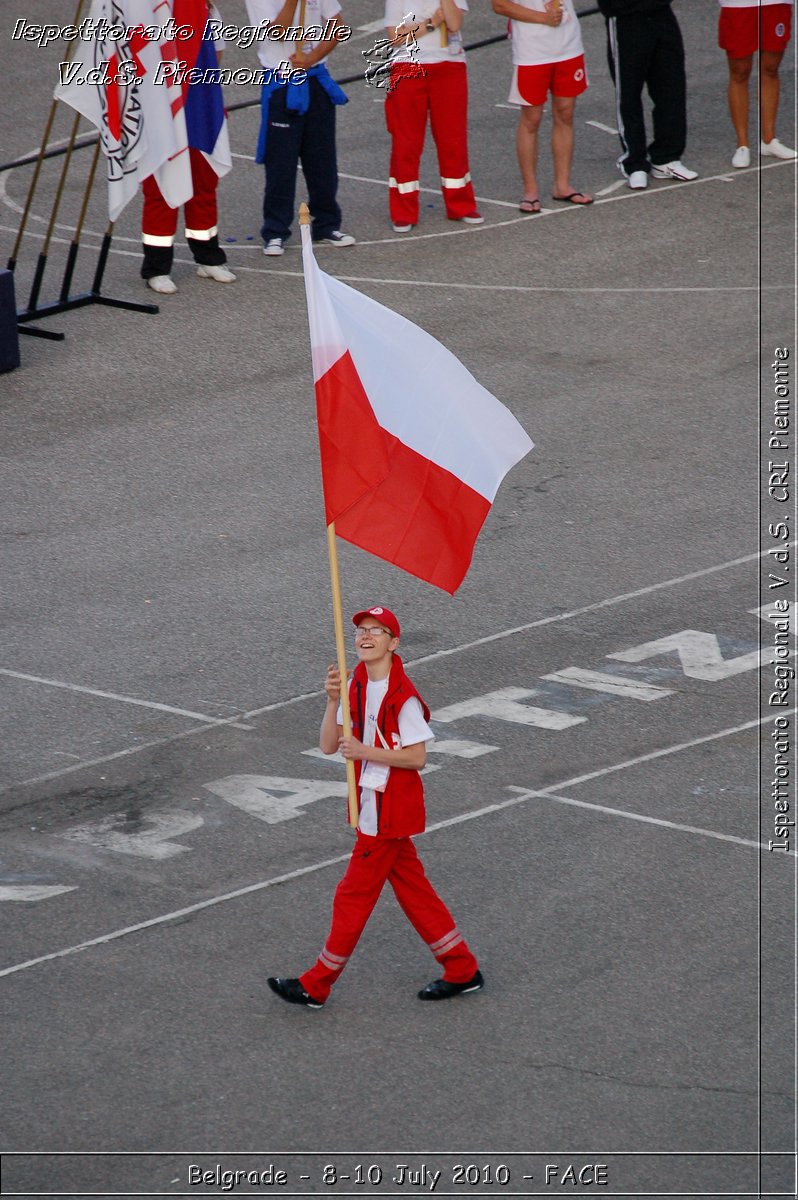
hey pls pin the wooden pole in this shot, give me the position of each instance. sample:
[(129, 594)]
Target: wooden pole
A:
[(301, 44), (340, 648), (340, 641), (12, 262)]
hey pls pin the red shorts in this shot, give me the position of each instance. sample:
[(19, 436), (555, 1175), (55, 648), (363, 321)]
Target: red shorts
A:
[(531, 85), (741, 32)]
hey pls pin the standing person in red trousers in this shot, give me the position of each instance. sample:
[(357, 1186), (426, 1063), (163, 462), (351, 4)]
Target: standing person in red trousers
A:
[(388, 748), (428, 80), (205, 121)]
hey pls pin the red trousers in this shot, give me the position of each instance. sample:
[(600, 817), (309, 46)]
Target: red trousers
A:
[(442, 94), (375, 860), (159, 221)]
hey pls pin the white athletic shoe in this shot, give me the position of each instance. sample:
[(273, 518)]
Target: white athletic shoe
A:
[(402, 228), (274, 246), (741, 157), (162, 284), (775, 149), (673, 170), (220, 273), (638, 180)]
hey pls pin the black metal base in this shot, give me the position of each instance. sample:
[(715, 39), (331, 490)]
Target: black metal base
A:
[(81, 301)]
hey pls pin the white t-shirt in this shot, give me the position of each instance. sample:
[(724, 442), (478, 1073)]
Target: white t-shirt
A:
[(317, 13), (428, 48), (534, 44), (750, 3), (412, 730)]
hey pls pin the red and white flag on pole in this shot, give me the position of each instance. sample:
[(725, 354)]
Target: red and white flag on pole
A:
[(117, 80), (413, 449)]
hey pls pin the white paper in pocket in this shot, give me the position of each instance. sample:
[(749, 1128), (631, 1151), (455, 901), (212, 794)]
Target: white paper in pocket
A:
[(374, 776)]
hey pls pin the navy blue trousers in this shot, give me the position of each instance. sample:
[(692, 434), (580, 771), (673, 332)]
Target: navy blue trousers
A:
[(308, 139)]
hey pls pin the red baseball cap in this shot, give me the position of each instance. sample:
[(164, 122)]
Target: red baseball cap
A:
[(383, 615)]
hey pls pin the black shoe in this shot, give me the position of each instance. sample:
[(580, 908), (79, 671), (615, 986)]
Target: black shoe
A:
[(441, 989), (293, 991)]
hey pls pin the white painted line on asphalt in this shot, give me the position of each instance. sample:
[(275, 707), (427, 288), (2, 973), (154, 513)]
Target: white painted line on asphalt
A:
[(699, 655), (279, 704), (32, 892), (174, 916), (504, 705), (613, 187), (490, 287), (613, 685), (578, 612), (530, 794), (87, 691), (151, 745), (643, 758), (429, 190), (603, 128), (521, 796)]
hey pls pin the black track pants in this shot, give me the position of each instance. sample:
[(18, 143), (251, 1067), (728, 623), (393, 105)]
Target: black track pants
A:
[(646, 49)]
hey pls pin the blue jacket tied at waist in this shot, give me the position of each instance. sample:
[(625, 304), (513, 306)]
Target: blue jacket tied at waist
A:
[(297, 100)]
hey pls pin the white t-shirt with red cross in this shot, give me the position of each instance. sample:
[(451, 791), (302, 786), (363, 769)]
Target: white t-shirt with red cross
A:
[(534, 44)]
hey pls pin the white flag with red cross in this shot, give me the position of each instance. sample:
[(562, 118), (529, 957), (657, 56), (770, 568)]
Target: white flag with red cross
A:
[(116, 80)]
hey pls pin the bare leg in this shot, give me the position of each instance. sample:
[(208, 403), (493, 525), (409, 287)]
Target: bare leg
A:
[(769, 61), (562, 143), (526, 144), (739, 75)]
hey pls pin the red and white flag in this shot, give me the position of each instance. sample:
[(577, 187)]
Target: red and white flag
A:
[(413, 449), (117, 80)]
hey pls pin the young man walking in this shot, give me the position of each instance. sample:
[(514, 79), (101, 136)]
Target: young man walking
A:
[(388, 749)]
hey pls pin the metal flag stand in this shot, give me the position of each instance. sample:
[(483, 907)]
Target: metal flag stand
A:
[(34, 309)]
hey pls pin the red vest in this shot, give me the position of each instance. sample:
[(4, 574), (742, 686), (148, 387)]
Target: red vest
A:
[(400, 808)]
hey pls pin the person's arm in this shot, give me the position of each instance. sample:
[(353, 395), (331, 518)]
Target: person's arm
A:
[(412, 758), (320, 49), (331, 731), (414, 733), (400, 35), (530, 16), (451, 14), (285, 17)]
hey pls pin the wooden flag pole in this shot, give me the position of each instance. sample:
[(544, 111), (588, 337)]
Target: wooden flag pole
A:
[(340, 647), (12, 262), (340, 641)]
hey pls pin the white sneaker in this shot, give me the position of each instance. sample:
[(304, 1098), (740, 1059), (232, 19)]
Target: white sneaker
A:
[(220, 273), (638, 180), (162, 284), (274, 246), (336, 238), (741, 157), (775, 149), (401, 228), (673, 170)]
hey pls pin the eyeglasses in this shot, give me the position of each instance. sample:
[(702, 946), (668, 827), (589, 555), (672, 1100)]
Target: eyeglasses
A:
[(370, 631)]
